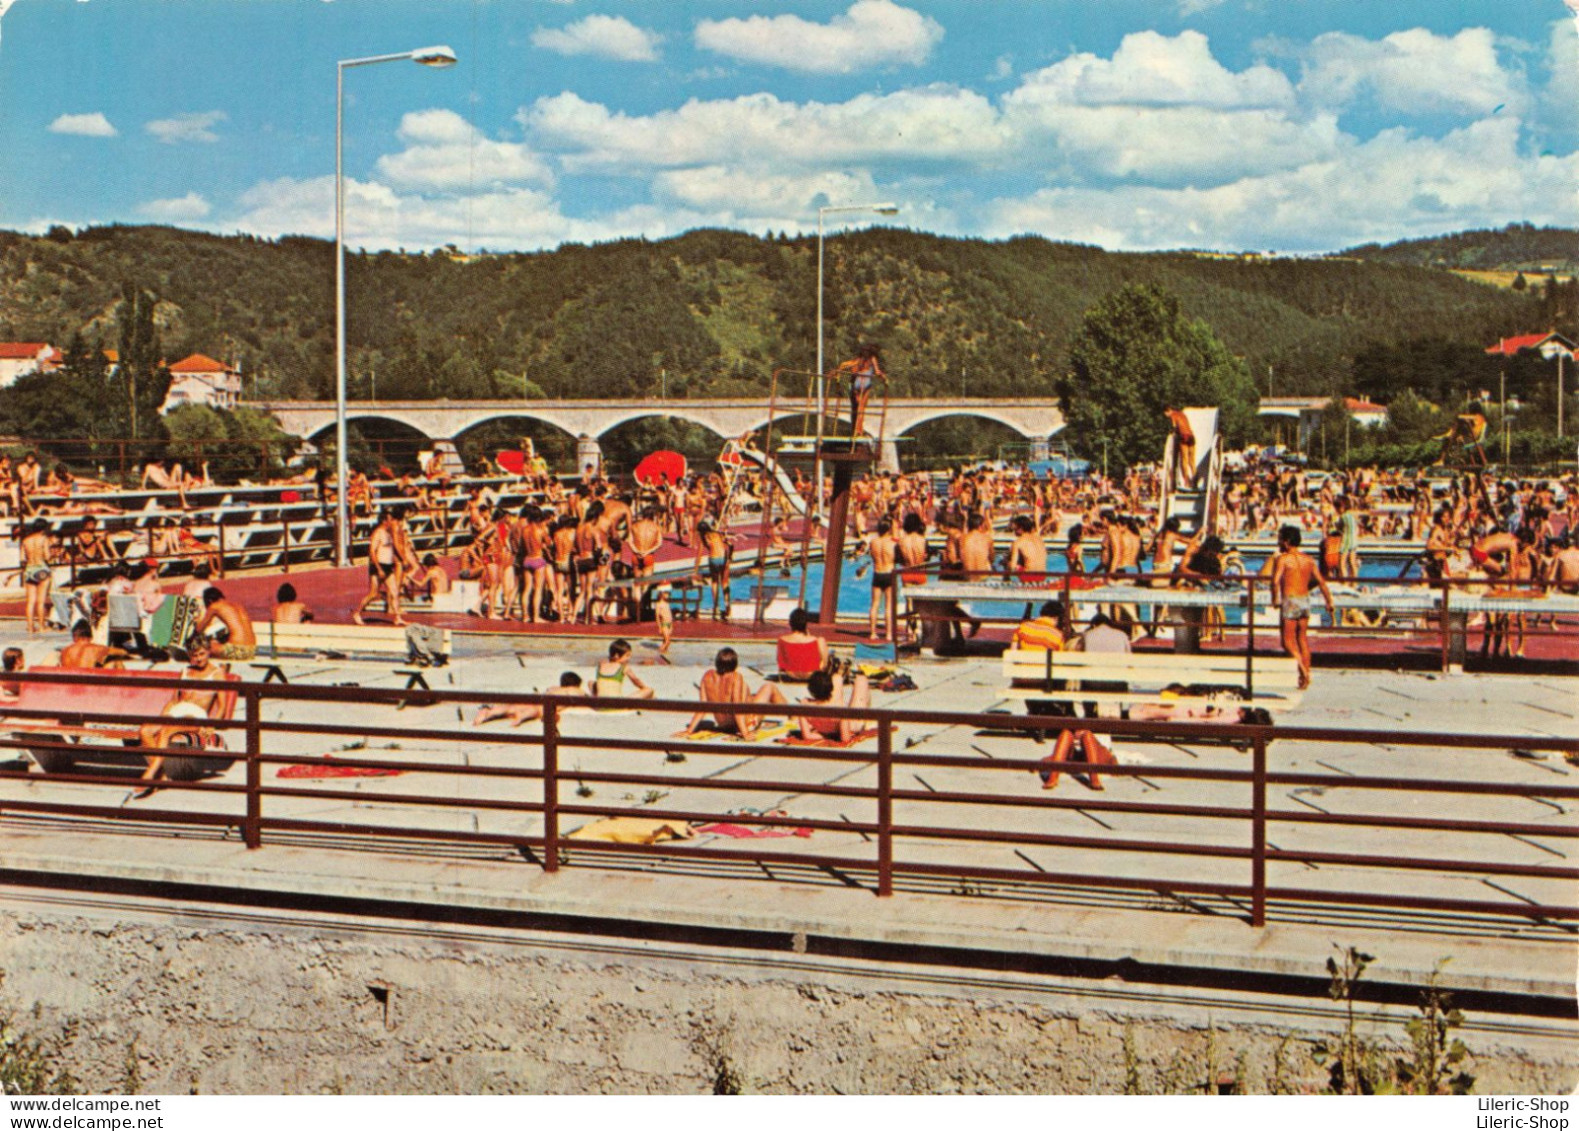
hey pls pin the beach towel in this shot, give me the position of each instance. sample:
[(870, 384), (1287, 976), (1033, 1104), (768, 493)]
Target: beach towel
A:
[(747, 832), (174, 622), (329, 768), (707, 733), (830, 743), (633, 830)]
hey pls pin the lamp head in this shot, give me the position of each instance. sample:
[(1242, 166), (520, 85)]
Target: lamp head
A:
[(886, 209), (439, 56)]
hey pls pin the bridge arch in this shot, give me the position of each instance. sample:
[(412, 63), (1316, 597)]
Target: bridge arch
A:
[(1009, 420), (669, 412)]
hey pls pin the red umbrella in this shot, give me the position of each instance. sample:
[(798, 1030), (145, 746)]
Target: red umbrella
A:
[(514, 462), (661, 466)]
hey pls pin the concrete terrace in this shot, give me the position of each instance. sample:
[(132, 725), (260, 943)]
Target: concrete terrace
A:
[(1147, 931)]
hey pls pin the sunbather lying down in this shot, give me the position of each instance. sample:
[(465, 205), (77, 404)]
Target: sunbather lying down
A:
[(569, 686)]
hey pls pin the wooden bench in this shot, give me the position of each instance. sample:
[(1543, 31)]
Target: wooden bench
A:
[(340, 643), (1219, 679), (91, 720)]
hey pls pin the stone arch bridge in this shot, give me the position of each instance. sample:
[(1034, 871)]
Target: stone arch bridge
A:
[(1035, 418)]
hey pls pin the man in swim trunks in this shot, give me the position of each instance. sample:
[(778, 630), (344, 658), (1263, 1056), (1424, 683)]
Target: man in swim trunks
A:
[(1183, 448), (1027, 559), (883, 550), (645, 540), (1293, 574), (913, 550), (382, 578), (241, 643)]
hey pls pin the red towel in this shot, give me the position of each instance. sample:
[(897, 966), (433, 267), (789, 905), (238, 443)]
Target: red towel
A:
[(742, 832)]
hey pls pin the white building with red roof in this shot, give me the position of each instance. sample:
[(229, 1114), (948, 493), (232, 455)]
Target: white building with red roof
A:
[(17, 358), (199, 379), (1367, 414)]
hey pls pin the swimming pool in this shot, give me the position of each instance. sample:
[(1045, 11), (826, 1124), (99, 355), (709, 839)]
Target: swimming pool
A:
[(855, 593)]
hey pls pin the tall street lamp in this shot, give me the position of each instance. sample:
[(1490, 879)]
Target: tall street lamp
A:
[(822, 392), (429, 57)]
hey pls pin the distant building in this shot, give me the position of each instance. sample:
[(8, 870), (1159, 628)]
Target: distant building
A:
[(1306, 414), (17, 358), (1365, 413), (202, 380), (1548, 345)]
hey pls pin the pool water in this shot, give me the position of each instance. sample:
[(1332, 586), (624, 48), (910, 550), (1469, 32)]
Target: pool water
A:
[(855, 593)]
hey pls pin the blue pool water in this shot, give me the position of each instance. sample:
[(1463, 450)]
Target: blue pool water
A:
[(855, 593)]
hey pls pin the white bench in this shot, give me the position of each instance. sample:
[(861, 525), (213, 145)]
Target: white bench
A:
[(1269, 682), (341, 643)]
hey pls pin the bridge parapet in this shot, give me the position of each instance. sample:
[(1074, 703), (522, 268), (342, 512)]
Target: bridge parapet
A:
[(1031, 417)]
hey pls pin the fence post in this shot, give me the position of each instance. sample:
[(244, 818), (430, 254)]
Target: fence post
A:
[(885, 808), (1258, 834), (1250, 639), (550, 786), (252, 826)]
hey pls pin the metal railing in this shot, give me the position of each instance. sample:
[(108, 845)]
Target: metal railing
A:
[(1446, 624), (1225, 838)]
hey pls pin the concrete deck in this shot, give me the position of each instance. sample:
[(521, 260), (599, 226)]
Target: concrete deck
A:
[(1151, 933)]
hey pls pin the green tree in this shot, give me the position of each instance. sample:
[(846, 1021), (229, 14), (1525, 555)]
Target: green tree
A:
[(1134, 355), (143, 374)]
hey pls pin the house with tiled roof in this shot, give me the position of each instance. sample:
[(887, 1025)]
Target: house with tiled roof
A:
[(1547, 345), (200, 379), (1367, 414), (17, 358)]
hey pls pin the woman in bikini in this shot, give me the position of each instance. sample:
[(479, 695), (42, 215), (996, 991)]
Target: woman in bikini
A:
[(533, 533)]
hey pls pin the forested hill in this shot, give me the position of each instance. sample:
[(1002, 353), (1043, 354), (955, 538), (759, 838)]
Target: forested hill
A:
[(1518, 247), (713, 312)]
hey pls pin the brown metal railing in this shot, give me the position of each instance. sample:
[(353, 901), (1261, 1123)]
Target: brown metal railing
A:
[(1196, 829)]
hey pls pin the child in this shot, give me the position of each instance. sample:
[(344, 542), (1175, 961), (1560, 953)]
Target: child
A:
[(615, 680), (663, 613)]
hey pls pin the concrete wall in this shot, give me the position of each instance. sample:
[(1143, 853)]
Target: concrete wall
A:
[(265, 1010)]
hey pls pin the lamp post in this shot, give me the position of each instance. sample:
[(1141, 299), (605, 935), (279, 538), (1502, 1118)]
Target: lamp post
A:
[(429, 57), (1554, 348), (822, 391)]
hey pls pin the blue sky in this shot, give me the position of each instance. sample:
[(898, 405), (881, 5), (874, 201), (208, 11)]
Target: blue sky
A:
[(1295, 125)]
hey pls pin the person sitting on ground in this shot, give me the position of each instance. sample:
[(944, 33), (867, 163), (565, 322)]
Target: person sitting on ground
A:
[(615, 680), (82, 653), (11, 660), (194, 703), (241, 643), (827, 690), (725, 684), (800, 654), (287, 608), (569, 686), (430, 581)]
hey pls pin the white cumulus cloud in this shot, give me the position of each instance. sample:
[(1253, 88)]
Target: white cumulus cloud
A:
[(1411, 72), (922, 124), (1392, 186), (608, 37), (871, 33), (83, 125), (1163, 109), (446, 152), (186, 127), (189, 207)]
